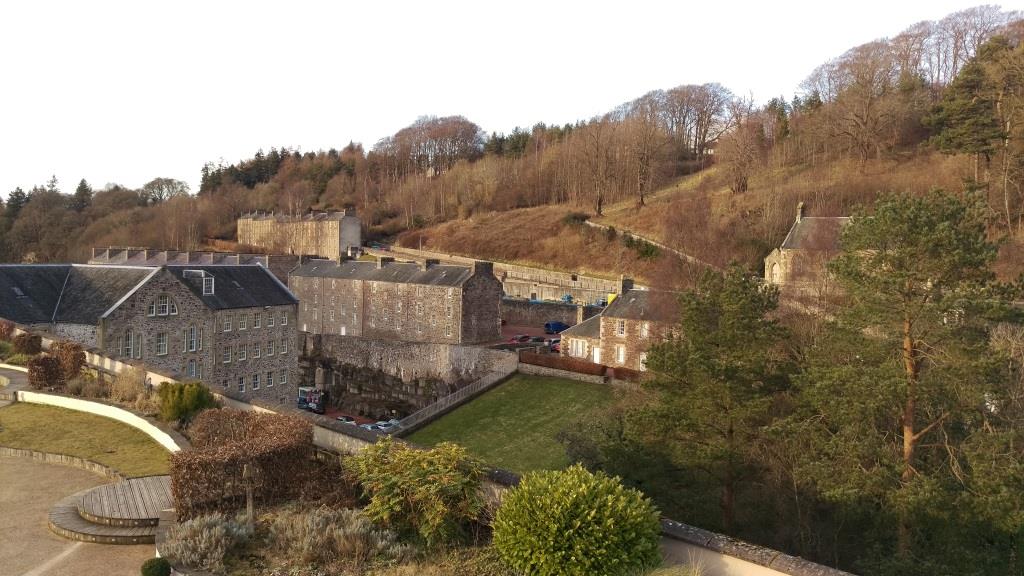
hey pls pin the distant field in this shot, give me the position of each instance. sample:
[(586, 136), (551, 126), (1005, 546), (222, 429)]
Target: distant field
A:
[(514, 425), (62, 431)]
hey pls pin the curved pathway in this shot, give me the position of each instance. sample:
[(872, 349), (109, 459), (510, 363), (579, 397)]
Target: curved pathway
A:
[(28, 489)]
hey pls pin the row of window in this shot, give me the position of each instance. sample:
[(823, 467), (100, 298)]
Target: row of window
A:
[(254, 381), (129, 344), (620, 328), (578, 348), (241, 352), (242, 320), (162, 306)]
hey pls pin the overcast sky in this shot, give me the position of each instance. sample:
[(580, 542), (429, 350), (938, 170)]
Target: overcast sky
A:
[(127, 91)]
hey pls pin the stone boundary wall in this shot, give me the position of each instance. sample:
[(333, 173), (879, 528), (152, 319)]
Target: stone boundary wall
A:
[(121, 415), (556, 373), (421, 418), (63, 460), (516, 312)]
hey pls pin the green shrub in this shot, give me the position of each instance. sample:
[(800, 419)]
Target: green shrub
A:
[(571, 522), (432, 493), (203, 542), (30, 344), (44, 372), (19, 359), (156, 567), (323, 535), (181, 401)]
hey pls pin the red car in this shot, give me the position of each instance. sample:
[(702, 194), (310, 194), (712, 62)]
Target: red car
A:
[(519, 339)]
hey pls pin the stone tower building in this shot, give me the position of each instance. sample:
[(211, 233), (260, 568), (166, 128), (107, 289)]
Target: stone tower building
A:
[(325, 234)]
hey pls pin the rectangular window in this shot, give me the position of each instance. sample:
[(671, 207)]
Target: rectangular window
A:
[(127, 343), (284, 345), (645, 329), (226, 355), (163, 305), (227, 323), (448, 330), (270, 319), (161, 344), (255, 381), (256, 318), (174, 309), (620, 328), (241, 383), (207, 285), (284, 377), (270, 348), (270, 379), (242, 351), (620, 354), (284, 319), (191, 339), (256, 350), (152, 309), (243, 320), (643, 361), (332, 315)]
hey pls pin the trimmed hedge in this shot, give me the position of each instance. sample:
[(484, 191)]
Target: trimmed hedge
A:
[(620, 373), (562, 363), (156, 567), (6, 330), (26, 343), (45, 372), (573, 522), (208, 476), (70, 356)]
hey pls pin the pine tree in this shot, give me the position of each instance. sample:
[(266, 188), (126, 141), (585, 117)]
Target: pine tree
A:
[(16, 200), (83, 196)]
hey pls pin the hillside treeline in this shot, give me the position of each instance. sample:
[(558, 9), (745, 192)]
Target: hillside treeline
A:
[(881, 100)]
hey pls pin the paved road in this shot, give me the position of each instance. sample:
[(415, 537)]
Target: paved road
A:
[(28, 548)]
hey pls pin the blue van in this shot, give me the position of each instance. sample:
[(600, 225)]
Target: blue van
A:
[(554, 327)]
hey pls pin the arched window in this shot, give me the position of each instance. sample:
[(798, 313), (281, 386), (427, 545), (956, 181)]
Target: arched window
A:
[(163, 306), (773, 275)]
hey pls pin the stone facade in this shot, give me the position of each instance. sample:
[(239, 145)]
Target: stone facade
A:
[(399, 301), (325, 234), (799, 266), (167, 327), (376, 377), (526, 313), (624, 332)]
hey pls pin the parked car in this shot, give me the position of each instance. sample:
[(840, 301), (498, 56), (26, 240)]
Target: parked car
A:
[(387, 426), (556, 347), (539, 340), (370, 427), (554, 327), (519, 339), (345, 419), (552, 342)]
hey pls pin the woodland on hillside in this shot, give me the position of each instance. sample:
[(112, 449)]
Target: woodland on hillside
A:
[(870, 111)]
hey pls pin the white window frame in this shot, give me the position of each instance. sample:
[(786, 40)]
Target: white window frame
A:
[(161, 343), (256, 381), (284, 346), (256, 350), (243, 352), (620, 327), (284, 319), (645, 329), (191, 338), (241, 383), (256, 318), (270, 319), (643, 361), (151, 310), (270, 378), (284, 377), (207, 285), (620, 354), (163, 305), (226, 355), (242, 321), (227, 323), (192, 369), (270, 347)]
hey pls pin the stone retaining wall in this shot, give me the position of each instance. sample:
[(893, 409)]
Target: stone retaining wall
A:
[(554, 372), (525, 313), (63, 460)]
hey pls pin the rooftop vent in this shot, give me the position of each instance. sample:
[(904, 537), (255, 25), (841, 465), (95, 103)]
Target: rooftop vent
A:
[(193, 274)]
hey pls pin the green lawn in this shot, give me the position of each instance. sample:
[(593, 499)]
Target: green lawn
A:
[(513, 426), (62, 431)]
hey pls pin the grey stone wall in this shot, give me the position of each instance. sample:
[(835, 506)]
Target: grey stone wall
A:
[(376, 377), (270, 351), (481, 298), (556, 373), (526, 313), (84, 334)]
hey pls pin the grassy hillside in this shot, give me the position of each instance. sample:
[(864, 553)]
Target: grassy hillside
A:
[(700, 216)]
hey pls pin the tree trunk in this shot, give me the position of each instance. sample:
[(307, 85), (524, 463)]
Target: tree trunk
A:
[(911, 368)]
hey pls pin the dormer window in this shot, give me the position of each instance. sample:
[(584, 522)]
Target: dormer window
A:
[(207, 285)]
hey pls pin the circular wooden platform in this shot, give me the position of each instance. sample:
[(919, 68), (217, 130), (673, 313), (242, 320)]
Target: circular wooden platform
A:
[(134, 502)]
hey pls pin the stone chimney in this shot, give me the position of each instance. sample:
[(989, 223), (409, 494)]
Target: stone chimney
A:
[(483, 267), (799, 211), (625, 284), (384, 261), (579, 313), (429, 262)]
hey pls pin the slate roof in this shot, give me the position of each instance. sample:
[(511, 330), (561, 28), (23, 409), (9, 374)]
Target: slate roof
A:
[(236, 286), (400, 272), (644, 305), (143, 257), (589, 328), (68, 293), (815, 233)]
